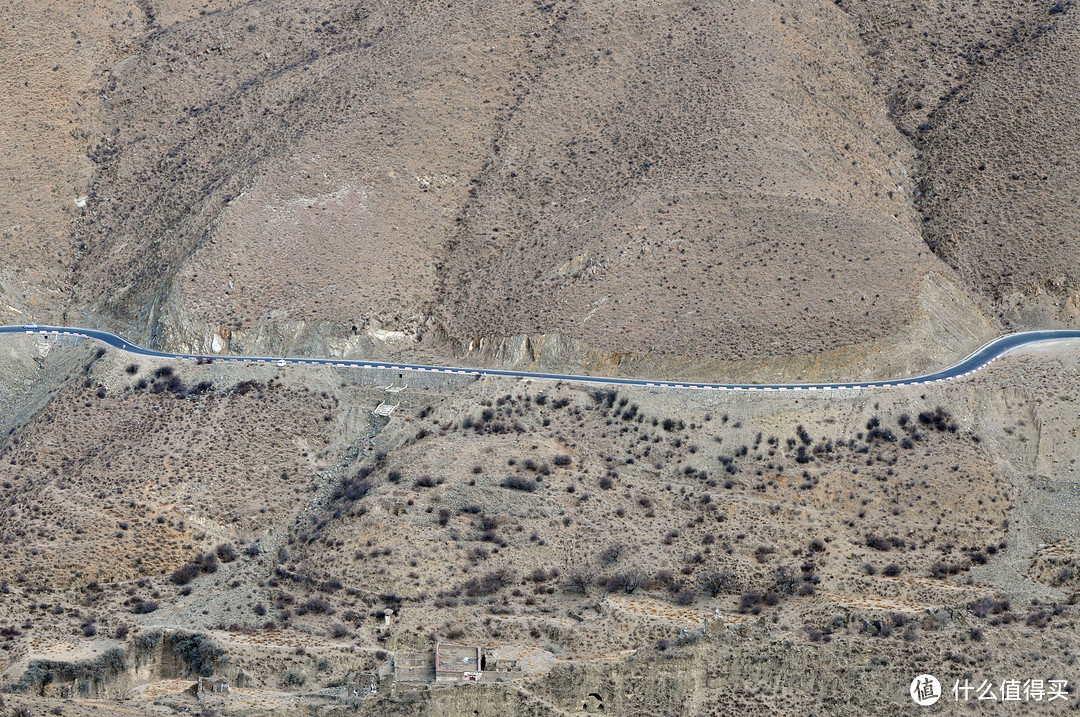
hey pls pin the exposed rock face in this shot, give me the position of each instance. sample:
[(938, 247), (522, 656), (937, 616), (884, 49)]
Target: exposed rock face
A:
[(147, 657)]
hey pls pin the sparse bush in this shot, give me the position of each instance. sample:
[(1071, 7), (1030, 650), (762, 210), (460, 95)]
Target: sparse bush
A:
[(579, 581), (892, 570), (627, 581), (208, 563), (315, 605), (685, 597), (1065, 575), (226, 553), (751, 602), (519, 483), (877, 543), (187, 573), (718, 582), (488, 584), (610, 554), (785, 580), (356, 490), (539, 575), (1038, 619), (664, 579), (763, 552), (877, 628), (143, 607), (988, 606)]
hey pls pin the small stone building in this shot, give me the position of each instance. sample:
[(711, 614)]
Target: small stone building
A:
[(211, 686), (456, 663)]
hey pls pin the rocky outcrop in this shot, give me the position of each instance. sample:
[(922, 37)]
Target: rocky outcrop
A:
[(145, 658)]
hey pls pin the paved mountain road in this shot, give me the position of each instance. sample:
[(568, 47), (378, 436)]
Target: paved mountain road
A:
[(988, 353)]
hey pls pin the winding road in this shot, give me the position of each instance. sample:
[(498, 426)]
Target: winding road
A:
[(981, 358)]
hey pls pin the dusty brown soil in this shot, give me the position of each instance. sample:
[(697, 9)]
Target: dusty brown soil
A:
[(768, 190), (58, 58), (55, 59)]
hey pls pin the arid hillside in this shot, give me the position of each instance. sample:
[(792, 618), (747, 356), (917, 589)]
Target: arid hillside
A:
[(175, 470), (754, 191), (57, 58), (977, 88), (639, 178), (257, 525), (678, 180), (674, 181)]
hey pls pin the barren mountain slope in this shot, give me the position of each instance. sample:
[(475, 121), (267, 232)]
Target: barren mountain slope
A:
[(271, 156), (698, 182), (164, 474), (682, 179), (1030, 234), (54, 59), (984, 91), (275, 157), (57, 57), (708, 181)]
